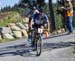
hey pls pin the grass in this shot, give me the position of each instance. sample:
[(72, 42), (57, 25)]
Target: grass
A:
[(6, 40), (12, 17)]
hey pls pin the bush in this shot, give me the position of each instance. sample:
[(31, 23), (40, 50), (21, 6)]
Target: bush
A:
[(74, 22), (13, 17), (58, 22)]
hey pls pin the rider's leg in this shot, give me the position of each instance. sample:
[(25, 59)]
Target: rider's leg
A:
[(33, 39), (29, 37), (33, 44)]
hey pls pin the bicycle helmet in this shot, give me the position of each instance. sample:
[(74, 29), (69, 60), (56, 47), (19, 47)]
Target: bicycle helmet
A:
[(36, 11), (68, 0)]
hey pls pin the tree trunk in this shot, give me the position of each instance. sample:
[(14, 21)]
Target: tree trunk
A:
[(52, 18)]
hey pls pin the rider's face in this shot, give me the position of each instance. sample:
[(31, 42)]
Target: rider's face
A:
[(40, 15)]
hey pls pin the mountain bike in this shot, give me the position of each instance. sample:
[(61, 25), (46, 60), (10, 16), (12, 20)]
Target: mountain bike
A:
[(36, 40)]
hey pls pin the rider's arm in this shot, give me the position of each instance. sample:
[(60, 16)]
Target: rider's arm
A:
[(46, 18), (31, 23)]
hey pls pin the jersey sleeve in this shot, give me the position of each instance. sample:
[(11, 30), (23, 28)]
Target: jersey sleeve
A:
[(46, 17)]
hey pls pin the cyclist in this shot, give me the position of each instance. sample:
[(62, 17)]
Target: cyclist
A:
[(35, 11), (44, 17), (39, 19)]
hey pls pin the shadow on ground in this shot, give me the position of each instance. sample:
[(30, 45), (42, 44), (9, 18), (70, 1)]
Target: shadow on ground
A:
[(58, 35), (24, 50)]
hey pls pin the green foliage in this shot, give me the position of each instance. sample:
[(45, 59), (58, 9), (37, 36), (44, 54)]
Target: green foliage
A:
[(13, 17), (46, 9), (8, 40), (24, 1), (74, 22), (58, 22)]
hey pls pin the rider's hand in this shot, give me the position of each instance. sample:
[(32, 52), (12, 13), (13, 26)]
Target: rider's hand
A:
[(31, 28), (62, 7), (42, 27), (45, 25)]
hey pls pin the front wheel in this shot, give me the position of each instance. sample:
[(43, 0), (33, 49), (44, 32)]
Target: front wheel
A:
[(38, 47)]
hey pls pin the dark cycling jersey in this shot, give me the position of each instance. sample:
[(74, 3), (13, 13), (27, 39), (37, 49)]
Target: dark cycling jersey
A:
[(39, 21), (44, 17)]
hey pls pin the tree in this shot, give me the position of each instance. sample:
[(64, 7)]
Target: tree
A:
[(23, 3), (31, 3), (40, 3), (52, 18)]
